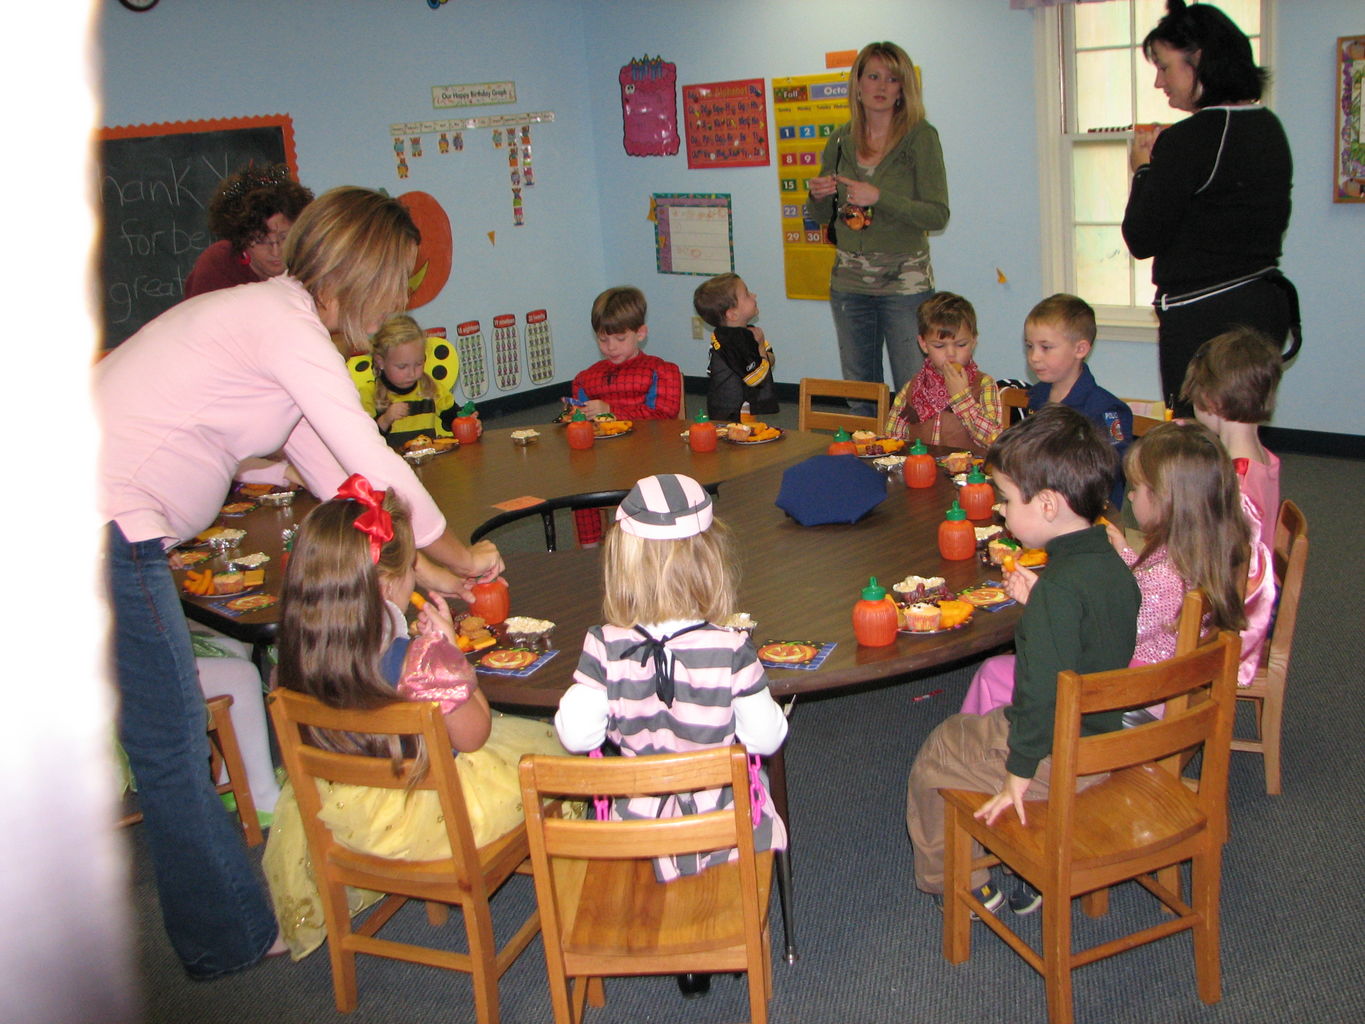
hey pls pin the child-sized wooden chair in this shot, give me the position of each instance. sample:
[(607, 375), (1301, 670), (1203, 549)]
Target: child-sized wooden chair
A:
[(604, 912), (1131, 825), (468, 878), (807, 418)]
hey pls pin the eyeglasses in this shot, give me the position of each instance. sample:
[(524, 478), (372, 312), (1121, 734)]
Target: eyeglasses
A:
[(275, 241)]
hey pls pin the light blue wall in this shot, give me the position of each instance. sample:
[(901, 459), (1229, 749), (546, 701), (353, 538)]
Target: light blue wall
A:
[(344, 71)]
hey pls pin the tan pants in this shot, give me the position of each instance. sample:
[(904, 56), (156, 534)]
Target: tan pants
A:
[(965, 752)]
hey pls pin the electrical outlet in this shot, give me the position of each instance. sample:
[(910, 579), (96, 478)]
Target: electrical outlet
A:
[(698, 328)]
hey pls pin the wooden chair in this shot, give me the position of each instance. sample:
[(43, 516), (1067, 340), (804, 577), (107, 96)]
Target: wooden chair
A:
[(467, 878), (1142, 424), (224, 753), (1014, 403), (546, 510), (1137, 821), (1267, 689), (861, 390), (604, 913)]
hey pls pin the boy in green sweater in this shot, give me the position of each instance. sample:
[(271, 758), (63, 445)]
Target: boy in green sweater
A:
[(1055, 470)]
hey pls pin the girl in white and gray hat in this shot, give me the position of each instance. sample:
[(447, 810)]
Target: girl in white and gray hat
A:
[(661, 676)]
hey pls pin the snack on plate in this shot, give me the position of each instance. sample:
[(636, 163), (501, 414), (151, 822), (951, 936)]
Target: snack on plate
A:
[(916, 589), (278, 499), (228, 583), (420, 443), (255, 490), (864, 436), (876, 446), (253, 577), (198, 582), (238, 508), (252, 561), (739, 620), (923, 617), (763, 432), (523, 631), (738, 431), (954, 613), (607, 426), (189, 558), (512, 660), (986, 534), (444, 444), (997, 549), (524, 437), (958, 462), (1033, 558), (474, 634)]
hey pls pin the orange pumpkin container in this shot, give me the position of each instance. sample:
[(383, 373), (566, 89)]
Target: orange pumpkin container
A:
[(919, 468), (956, 538), (701, 435), (874, 617), (579, 432), (977, 495), (465, 426), (842, 444), (491, 601)]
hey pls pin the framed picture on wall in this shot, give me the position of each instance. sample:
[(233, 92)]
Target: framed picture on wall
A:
[(1348, 145)]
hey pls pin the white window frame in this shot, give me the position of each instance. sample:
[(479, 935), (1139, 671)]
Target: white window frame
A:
[(1056, 203)]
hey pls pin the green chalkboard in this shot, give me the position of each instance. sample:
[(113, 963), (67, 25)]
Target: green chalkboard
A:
[(155, 185)]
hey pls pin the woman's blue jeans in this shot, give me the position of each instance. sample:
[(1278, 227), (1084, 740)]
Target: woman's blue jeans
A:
[(864, 325), (213, 900)]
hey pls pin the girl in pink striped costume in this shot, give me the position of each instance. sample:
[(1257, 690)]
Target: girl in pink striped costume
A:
[(660, 677)]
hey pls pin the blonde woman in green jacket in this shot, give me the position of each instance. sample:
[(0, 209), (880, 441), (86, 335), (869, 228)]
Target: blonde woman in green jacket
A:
[(883, 174)]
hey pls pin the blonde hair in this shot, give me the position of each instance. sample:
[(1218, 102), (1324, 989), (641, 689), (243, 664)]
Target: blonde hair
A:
[(354, 248), (399, 329), (1069, 313), (1199, 517), (651, 581), (909, 111), (332, 619)]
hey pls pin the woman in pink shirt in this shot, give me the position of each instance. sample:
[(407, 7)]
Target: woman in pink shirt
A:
[(217, 379)]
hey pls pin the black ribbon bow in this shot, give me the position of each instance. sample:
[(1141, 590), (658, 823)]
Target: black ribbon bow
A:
[(657, 648)]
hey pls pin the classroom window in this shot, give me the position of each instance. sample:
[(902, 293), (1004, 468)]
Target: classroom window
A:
[(1099, 84)]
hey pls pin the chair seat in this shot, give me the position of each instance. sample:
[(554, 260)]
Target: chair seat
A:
[(692, 914), (1134, 812), (428, 879)]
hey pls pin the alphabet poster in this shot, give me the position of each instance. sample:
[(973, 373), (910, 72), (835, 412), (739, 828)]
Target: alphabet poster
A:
[(726, 124)]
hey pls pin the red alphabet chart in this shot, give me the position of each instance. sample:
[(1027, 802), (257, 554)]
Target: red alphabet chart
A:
[(726, 124)]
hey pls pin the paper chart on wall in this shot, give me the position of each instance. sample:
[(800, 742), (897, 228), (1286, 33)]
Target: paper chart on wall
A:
[(694, 234), (506, 351), (473, 365), (806, 109), (540, 356)]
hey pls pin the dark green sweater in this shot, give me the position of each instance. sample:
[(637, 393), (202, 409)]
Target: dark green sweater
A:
[(1081, 615)]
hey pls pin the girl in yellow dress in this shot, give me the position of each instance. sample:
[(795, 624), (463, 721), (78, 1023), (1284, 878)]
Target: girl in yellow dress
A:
[(344, 640)]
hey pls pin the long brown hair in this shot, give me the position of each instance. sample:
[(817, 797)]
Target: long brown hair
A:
[(908, 113), (1199, 517), (332, 618)]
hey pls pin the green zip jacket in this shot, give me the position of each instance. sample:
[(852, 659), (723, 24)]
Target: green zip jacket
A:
[(914, 192)]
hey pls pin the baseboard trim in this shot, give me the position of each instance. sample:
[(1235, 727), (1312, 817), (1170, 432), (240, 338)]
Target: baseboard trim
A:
[(1288, 441)]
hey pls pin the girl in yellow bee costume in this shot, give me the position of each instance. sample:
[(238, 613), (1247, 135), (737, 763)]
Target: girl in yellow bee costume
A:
[(407, 381)]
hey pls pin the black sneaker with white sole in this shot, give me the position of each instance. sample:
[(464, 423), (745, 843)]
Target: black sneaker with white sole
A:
[(1024, 899)]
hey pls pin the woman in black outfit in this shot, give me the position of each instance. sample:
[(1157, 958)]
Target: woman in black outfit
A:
[(1210, 194)]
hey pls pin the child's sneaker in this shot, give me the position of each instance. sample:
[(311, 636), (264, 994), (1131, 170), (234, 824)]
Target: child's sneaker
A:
[(1025, 899), (988, 894)]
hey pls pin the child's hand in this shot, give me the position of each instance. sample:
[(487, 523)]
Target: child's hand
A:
[(822, 187), (1019, 583), (1011, 795), (955, 377), (392, 415), (595, 407), (758, 337), (435, 618), (1116, 537)]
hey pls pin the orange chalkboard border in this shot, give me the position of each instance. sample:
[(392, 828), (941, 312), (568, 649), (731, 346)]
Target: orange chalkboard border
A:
[(281, 121)]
